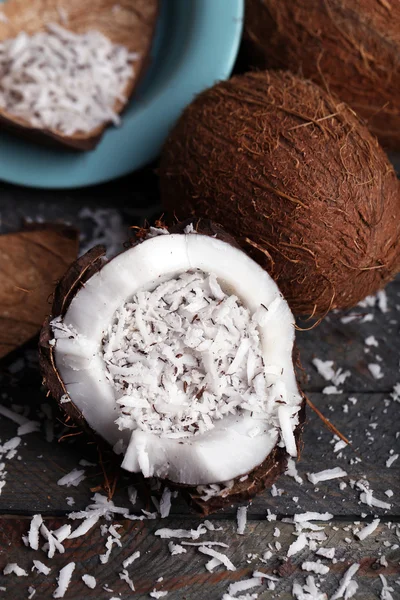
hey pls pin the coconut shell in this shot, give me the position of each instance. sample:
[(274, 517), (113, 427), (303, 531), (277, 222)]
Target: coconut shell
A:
[(131, 24), (297, 178), (85, 267), (350, 47)]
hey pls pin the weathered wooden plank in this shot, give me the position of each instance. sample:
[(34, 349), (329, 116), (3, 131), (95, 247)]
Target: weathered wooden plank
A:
[(32, 482), (185, 576)]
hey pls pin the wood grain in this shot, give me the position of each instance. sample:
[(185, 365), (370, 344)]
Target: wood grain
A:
[(185, 576)]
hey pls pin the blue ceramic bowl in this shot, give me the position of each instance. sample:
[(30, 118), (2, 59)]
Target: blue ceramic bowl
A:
[(196, 45)]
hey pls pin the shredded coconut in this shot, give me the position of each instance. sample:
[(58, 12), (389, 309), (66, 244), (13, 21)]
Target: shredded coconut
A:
[(89, 580), (375, 370), (391, 460), (297, 545), (15, 569), (188, 341), (73, 478), (368, 529), (194, 534), (63, 580), (241, 519), (345, 581), (316, 567), (124, 576), (128, 561), (221, 557), (165, 503), (33, 535), (176, 549), (312, 516), (63, 81), (326, 475), (41, 567), (326, 552)]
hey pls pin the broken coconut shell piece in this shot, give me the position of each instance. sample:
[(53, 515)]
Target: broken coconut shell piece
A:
[(69, 67), (179, 353)]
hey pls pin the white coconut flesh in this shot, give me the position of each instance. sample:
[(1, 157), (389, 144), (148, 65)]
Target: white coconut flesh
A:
[(178, 352)]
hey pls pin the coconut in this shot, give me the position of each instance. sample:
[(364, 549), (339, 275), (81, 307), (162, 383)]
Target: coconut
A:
[(299, 181), (350, 47), (179, 354), (69, 67)]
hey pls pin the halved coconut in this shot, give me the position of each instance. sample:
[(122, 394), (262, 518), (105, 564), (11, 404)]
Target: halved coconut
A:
[(179, 353), (127, 23)]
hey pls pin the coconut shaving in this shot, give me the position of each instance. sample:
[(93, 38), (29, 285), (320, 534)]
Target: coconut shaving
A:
[(63, 81), (184, 355)]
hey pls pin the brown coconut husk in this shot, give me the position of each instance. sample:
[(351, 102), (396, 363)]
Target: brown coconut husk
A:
[(31, 262), (83, 269), (350, 47), (299, 181), (130, 23)]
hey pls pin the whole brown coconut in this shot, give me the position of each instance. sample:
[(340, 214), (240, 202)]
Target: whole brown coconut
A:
[(297, 178), (350, 47)]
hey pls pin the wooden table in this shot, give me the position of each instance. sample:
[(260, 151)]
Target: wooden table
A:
[(371, 422)]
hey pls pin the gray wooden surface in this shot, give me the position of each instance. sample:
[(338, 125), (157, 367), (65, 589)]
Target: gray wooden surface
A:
[(371, 423)]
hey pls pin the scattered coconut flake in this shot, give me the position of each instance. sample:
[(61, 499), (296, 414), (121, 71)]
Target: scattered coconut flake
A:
[(13, 568), (31, 592), (326, 475), (315, 567), (63, 81), (130, 559), (124, 575), (368, 529), (73, 478), (84, 527), (176, 549), (194, 534), (158, 594), (63, 580), (345, 581), (241, 519), (339, 446), (331, 389), (243, 585), (29, 427), (222, 557), (382, 301), (284, 415), (326, 552), (308, 591), (291, 471), (132, 494), (370, 500), (389, 493), (375, 370), (86, 463), (41, 567), (386, 589), (33, 534), (70, 500), (371, 341), (297, 545), (165, 503), (324, 368), (391, 460), (312, 516), (89, 580)]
